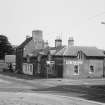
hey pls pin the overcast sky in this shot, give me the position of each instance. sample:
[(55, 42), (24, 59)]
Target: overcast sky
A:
[(78, 18)]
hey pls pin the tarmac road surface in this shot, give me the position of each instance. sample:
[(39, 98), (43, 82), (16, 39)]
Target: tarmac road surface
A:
[(40, 99), (61, 91)]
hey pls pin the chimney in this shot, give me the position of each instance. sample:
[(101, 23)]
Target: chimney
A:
[(27, 36), (37, 35), (58, 42), (70, 42)]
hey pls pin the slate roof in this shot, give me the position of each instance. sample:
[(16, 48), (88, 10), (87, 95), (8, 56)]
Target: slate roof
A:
[(46, 51), (73, 50), (25, 42), (54, 50), (40, 51)]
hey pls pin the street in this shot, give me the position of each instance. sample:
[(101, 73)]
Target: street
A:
[(90, 90)]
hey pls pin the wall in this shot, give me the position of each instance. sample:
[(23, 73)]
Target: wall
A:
[(98, 64), (30, 47), (58, 66), (84, 68), (3, 65), (19, 59)]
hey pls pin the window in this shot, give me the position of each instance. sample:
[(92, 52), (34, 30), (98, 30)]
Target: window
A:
[(28, 68), (76, 69), (91, 68), (31, 68), (80, 55)]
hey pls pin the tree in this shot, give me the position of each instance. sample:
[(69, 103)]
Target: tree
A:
[(5, 47)]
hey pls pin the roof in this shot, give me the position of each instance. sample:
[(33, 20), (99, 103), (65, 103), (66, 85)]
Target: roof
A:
[(54, 50), (25, 42), (40, 51), (73, 50), (46, 51)]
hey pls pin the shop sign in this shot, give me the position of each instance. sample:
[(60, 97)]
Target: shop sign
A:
[(74, 62), (50, 62)]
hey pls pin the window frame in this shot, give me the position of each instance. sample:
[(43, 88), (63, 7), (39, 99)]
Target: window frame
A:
[(90, 70), (74, 69)]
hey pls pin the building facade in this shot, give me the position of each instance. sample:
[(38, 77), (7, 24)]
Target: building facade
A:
[(82, 62), (35, 57), (27, 47)]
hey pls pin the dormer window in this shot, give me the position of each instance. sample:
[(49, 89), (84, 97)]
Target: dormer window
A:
[(80, 55)]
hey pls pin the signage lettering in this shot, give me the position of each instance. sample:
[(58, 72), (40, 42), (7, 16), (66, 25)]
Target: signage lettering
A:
[(74, 62)]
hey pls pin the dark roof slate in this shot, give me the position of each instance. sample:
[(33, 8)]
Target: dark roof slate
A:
[(73, 50), (54, 50), (40, 51), (46, 51), (25, 42)]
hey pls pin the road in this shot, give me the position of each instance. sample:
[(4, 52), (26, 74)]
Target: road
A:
[(91, 90)]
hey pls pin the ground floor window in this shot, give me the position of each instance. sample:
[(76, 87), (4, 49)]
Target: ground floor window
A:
[(91, 69), (76, 69), (28, 69)]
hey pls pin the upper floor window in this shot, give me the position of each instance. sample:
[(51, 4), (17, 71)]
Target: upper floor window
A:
[(80, 55)]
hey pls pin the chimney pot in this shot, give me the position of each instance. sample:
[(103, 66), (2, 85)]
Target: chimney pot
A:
[(70, 41), (58, 42)]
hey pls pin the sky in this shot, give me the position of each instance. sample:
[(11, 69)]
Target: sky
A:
[(80, 19)]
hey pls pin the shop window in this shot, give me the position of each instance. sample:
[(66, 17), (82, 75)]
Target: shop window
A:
[(76, 69), (91, 68)]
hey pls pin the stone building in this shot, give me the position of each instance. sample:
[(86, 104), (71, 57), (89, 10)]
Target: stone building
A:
[(81, 61), (27, 47), (35, 57)]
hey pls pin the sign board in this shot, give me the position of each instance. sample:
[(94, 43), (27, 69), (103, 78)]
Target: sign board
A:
[(74, 62), (50, 62)]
